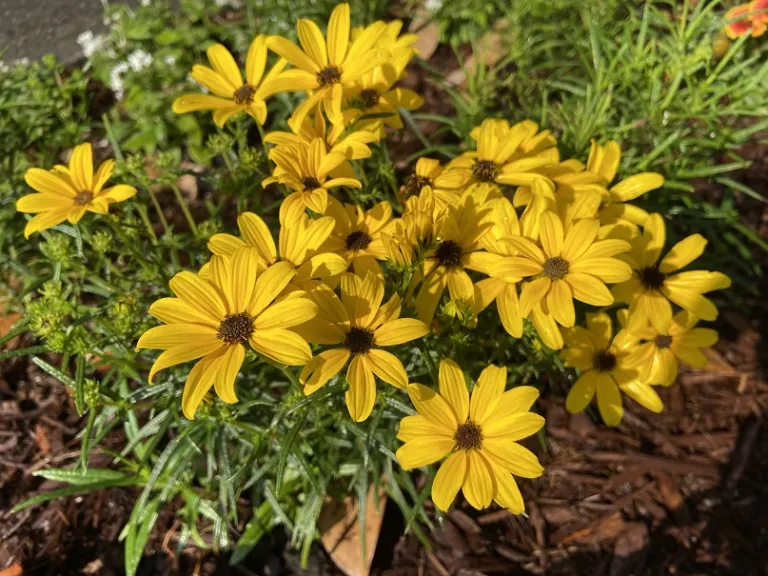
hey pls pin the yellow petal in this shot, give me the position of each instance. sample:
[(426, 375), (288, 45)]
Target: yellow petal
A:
[(683, 253), (286, 314), (654, 237), (560, 303), (199, 294), (399, 331), (223, 63), (433, 407), (199, 381), (185, 353), (513, 457), (312, 41), (322, 368), (460, 285), (361, 395), (514, 426), (700, 281), (103, 174), (81, 167), (256, 233), (221, 115), (644, 395), (532, 293), (607, 269), (176, 311), (478, 482), (256, 60), (507, 493), (551, 234), (453, 387), (582, 392), (589, 289), (429, 294), (412, 427), (229, 368), (487, 393), (659, 311), (195, 102), (509, 312), (609, 400), (513, 268), (423, 451), (117, 193), (282, 346), (170, 335), (224, 244), (34, 203), (245, 265), (338, 34), (600, 328), (49, 183), (637, 185), (269, 284), (292, 53), (449, 479), (388, 367)]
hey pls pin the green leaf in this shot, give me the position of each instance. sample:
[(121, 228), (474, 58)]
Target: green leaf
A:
[(79, 379), (139, 527), (72, 491), (80, 478), (285, 449), (257, 527), (55, 372)]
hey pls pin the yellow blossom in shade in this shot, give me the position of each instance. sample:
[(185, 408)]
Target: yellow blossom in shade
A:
[(356, 236), (354, 144), (67, 193), (658, 355), (604, 161), (406, 235), (457, 248), (305, 169), (446, 185), (325, 67), (654, 283), (211, 320), (301, 241), (363, 326), (479, 435), (502, 157), (608, 368), (230, 93), (567, 264)]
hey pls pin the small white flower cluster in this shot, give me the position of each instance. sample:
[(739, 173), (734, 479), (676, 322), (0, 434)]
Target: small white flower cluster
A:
[(231, 3), (91, 43), (137, 60)]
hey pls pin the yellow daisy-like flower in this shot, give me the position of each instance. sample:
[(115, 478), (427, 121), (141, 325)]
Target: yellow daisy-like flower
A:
[(305, 169), (230, 94), (458, 248), (608, 367), (413, 230), (66, 193), (212, 319), (354, 145), (567, 264), (325, 67), (654, 283), (502, 156), (301, 241), (363, 326), (657, 357), (356, 236), (446, 185), (479, 435)]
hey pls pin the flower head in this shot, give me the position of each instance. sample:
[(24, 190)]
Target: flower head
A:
[(66, 193), (231, 95), (446, 185), (608, 368), (305, 170), (658, 355), (363, 326), (750, 18), (211, 319), (479, 435), (301, 245), (654, 283), (324, 67)]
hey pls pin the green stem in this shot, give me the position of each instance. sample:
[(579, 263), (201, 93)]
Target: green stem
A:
[(159, 210), (428, 360), (184, 209), (147, 224)]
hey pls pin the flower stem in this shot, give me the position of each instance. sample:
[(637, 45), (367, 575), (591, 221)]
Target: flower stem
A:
[(185, 209)]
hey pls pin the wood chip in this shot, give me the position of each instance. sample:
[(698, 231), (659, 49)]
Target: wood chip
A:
[(463, 521), (631, 550), (604, 528)]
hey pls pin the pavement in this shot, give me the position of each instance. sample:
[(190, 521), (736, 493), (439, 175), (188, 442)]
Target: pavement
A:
[(32, 28)]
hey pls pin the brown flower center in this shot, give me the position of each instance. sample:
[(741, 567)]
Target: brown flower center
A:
[(83, 198), (449, 254), (310, 183), (235, 328), (358, 240), (415, 183), (604, 361), (651, 278), (555, 268), (663, 341), (485, 170), (358, 340), (468, 436), (329, 75), (244, 94), (369, 98)]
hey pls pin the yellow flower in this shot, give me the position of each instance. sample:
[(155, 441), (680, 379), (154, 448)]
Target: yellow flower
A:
[(413, 230), (604, 161), (66, 193), (363, 326), (567, 264), (353, 145), (211, 319), (356, 236), (446, 185), (607, 367), (326, 67), (231, 94), (751, 18), (301, 241), (653, 284), (458, 248), (479, 435), (505, 155), (657, 357), (305, 169)]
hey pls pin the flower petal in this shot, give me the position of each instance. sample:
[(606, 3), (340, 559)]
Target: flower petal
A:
[(361, 395), (229, 368), (551, 234), (268, 285), (487, 393), (388, 367), (223, 63), (560, 303), (453, 387), (433, 407), (588, 289), (322, 368), (200, 295), (338, 34), (582, 392), (185, 353), (609, 400), (532, 293), (683, 253), (513, 427), (449, 479), (199, 381), (513, 457), (286, 314), (170, 335), (478, 482), (399, 331), (281, 346), (49, 183), (412, 427), (423, 451)]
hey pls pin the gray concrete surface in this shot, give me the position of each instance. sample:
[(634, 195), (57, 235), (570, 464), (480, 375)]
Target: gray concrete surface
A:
[(32, 28)]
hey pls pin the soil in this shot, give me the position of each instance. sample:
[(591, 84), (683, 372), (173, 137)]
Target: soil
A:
[(682, 493)]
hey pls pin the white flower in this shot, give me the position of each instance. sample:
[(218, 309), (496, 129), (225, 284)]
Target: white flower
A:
[(90, 43), (145, 2), (232, 3), (433, 5), (139, 59), (170, 59), (116, 79)]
